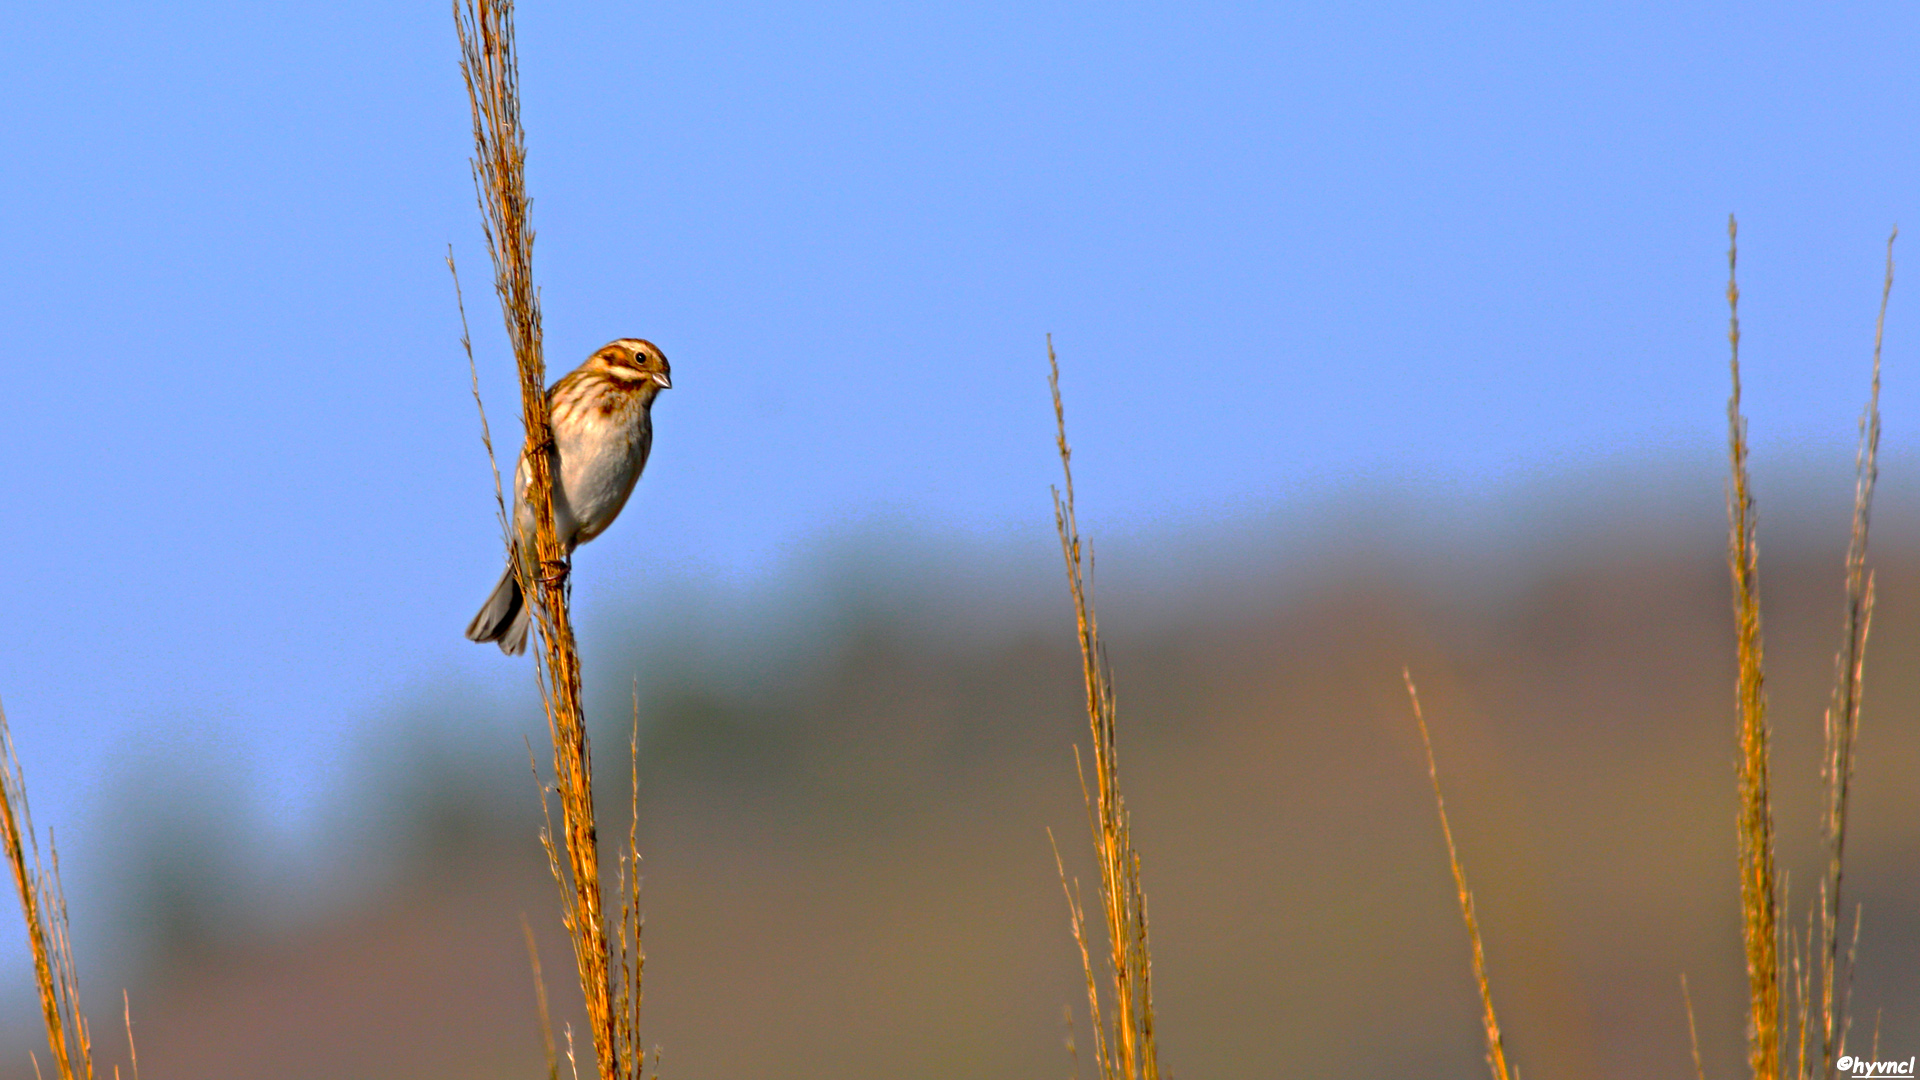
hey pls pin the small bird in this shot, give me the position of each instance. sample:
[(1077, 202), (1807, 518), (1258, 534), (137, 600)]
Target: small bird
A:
[(602, 433)]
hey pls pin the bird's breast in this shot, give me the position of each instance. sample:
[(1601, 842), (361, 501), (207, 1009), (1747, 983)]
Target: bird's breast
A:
[(601, 458)]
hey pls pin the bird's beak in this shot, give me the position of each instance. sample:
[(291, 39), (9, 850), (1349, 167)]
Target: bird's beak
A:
[(661, 378)]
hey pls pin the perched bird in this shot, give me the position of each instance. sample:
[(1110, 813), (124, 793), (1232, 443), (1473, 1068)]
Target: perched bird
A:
[(602, 433)]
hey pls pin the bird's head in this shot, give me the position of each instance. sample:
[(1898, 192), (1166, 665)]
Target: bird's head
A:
[(635, 362)]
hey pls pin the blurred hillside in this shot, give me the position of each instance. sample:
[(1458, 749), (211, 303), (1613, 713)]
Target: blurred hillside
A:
[(847, 869)]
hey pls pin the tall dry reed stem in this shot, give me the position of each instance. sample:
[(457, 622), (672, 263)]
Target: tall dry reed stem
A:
[(1496, 1045), (1841, 723), (489, 65), (1759, 910), (1812, 959), (627, 959), (1815, 967), (1127, 1048), (43, 906)]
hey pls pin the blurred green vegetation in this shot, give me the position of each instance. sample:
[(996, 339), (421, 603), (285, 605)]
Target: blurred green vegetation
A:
[(843, 804)]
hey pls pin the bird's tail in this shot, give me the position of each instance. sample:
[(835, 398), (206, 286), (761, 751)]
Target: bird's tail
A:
[(504, 617)]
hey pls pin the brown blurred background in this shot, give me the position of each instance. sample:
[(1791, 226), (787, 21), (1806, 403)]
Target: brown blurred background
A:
[(844, 814)]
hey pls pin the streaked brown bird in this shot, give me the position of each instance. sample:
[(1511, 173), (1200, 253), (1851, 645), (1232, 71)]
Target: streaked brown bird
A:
[(602, 433)]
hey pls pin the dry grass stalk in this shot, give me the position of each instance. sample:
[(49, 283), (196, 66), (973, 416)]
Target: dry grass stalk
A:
[(1816, 969), (1496, 1046), (473, 373), (43, 905), (133, 1055), (1125, 1048), (1077, 921), (1066, 1011), (540, 1001), (1841, 723), (490, 67), (1799, 980), (1693, 1033), (1759, 910), (629, 957)]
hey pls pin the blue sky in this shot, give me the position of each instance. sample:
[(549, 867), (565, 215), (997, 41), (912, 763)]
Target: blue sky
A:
[(1288, 253)]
